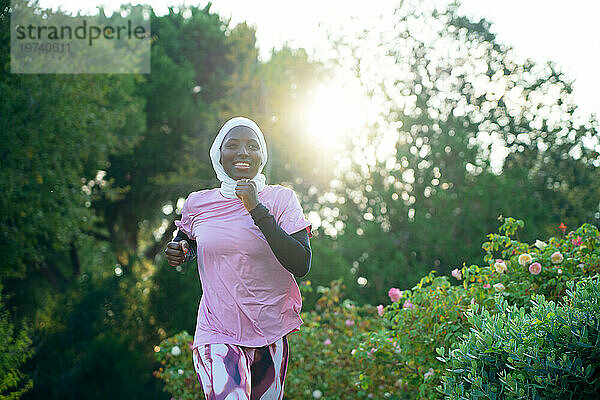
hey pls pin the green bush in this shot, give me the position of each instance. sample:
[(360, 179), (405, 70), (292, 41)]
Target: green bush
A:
[(177, 367), (321, 354), (345, 350), (15, 349), (398, 359), (551, 351), (432, 314), (561, 260)]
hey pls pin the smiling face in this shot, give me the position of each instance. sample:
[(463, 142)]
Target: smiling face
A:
[(240, 153)]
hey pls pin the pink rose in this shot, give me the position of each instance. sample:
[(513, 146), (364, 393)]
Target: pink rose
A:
[(456, 273), (487, 286), (525, 259), (380, 310), (535, 268), (349, 322), (408, 304), (577, 242), (327, 342), (556, 257), (500, 266), (499, 287), (395, 294)]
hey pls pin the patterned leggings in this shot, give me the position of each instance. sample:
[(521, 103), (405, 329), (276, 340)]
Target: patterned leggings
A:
[(230, 372)]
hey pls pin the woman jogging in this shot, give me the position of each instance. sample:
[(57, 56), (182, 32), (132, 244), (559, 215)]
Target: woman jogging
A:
[(250, 240)]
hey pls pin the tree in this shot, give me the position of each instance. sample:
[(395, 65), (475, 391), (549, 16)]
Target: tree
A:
[(429, 180), (57, 134)]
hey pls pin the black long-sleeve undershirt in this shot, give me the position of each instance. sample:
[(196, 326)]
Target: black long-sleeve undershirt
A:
[(292, 251)]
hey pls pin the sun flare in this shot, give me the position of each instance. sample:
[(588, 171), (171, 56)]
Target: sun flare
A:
[(335, 114)]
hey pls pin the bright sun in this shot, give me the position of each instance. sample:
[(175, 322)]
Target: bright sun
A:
[(335, 115)]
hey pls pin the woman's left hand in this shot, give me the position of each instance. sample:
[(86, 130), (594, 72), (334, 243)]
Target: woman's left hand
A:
[(246, 191)]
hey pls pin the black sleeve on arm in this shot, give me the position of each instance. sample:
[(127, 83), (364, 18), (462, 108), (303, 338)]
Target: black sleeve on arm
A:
[(192, 250), (292, 251)]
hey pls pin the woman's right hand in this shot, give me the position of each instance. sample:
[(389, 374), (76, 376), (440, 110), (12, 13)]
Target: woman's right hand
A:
[(176, 252)]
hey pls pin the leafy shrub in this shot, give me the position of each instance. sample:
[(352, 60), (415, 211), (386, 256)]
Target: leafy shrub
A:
[(177, 368), (401, 354), (345, 350), (431, 314), (559, 261), (549, 352), (321, 361), (15, 349)]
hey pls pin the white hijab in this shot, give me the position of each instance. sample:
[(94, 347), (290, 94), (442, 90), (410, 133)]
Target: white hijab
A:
[(227, 183)]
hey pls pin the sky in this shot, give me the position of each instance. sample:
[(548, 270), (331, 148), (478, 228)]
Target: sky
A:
[(565, 32)]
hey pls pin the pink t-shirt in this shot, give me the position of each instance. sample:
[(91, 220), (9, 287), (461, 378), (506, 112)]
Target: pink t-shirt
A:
[(249, 298)]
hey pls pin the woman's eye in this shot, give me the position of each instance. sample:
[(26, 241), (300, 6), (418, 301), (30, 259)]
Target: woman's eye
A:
[(253, 147)]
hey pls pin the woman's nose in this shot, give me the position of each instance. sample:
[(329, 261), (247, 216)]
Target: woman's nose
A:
[(243, 150)]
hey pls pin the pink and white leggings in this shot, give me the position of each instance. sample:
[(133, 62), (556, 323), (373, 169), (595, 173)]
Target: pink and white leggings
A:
[(231, 372)]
